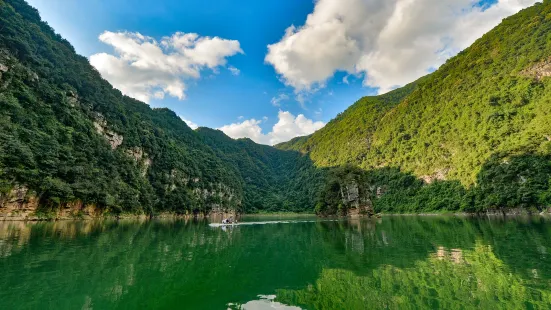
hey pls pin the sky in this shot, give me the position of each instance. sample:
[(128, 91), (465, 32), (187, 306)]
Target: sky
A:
[(268, 70)]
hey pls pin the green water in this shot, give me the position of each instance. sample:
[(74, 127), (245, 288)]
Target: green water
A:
[(392, 263)]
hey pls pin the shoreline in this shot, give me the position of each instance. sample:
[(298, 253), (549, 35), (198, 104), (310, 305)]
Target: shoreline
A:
[(129, 216), (218, 216)]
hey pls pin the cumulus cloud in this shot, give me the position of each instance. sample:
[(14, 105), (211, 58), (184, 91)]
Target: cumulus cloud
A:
[(145, 68), (287, 127), (392, 42), (191, 124)]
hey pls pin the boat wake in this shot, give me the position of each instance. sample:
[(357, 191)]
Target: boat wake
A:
[(267, 223)]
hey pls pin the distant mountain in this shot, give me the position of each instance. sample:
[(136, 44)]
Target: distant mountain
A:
[(273, 180)]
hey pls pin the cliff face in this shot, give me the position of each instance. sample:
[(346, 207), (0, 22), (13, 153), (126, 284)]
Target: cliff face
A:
[(22, 204), (18, 204), (356, 202)]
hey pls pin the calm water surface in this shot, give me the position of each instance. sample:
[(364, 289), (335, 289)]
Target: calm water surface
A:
[(390, 263)]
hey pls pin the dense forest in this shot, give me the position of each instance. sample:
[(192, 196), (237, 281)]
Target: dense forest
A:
[(475, 135), (274, 180), (67, 136)]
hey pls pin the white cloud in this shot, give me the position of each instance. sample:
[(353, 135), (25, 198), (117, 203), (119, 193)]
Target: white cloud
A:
[(276, 101), (247, 129), (287, 127), (234, 70), (144, 68), (345, 79), (191, 124), (392, 41)]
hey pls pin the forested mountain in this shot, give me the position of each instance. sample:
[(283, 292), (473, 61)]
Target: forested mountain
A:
[(274, 180), (484, 116), (490, 99), (67, 137), (473, 135)]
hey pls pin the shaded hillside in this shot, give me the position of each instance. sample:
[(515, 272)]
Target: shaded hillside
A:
[(274, 180)]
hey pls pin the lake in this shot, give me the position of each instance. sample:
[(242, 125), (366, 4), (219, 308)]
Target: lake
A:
[(397, 262)]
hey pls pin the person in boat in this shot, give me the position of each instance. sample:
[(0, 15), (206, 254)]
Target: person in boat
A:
[(229, 221)]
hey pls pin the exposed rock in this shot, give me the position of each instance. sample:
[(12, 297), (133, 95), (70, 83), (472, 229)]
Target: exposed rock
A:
[(362, 210), (101, 127), (380, 191), (72, 99), (77, 209), (223, 192), (539, 71), (141, 157), (351, 194), (33, 76), (438, 175), (3, 69), (18, 204), (136, 152), (358, 204)]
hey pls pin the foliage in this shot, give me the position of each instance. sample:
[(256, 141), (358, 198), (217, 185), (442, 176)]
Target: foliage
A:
[(52, 102), (274, 180), (522, 181)]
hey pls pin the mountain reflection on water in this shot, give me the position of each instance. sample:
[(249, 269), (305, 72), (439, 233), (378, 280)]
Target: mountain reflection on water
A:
[(393, 263)]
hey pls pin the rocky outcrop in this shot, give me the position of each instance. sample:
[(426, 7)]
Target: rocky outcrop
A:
[(350, 194), (141, 157), (72, 98), (18, 204), (212, 195), (3, 69), (22, 204), (357, 203), (222, 195), (539, 71), (101, 127), (438, 175)]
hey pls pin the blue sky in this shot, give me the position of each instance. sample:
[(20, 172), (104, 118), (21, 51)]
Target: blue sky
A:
[(211, 101), (344, 51)]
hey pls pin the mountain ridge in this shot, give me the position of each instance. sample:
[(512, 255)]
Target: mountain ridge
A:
[(395, 136)]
